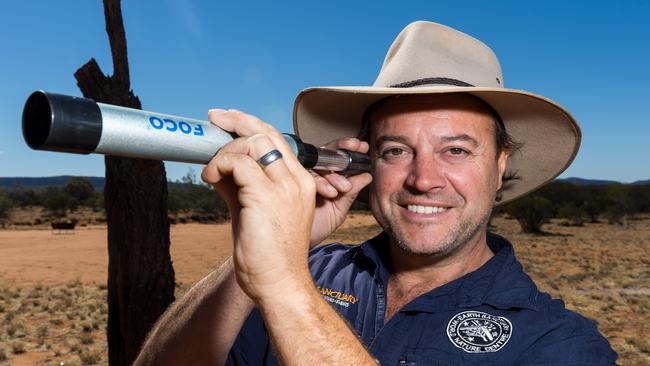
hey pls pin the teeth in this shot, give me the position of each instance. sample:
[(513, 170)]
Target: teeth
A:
[(425, 209)]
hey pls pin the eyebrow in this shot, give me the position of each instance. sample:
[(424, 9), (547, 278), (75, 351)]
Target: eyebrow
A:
[(381, 139), (462, 137), (405, 141)]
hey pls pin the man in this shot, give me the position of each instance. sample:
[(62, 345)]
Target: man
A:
[(434, 287)]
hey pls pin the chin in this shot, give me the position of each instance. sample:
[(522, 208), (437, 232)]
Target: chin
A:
[(423, 244), (432, 243)]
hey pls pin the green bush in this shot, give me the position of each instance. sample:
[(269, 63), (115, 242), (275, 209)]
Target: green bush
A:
[(576, 215), (199, 197), (531, 212), (56, 202), (22, 197), (79, 191), (5, 207)]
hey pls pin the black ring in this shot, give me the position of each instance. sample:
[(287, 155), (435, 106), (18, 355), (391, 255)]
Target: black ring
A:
[(269, 157)]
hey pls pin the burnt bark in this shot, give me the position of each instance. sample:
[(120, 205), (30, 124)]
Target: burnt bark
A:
[(140, 272)]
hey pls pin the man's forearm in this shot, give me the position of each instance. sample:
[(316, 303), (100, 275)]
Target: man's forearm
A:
[(306, 330), (201, 327)]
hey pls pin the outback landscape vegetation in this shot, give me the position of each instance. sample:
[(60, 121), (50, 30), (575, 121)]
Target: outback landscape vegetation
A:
[(586, 244)]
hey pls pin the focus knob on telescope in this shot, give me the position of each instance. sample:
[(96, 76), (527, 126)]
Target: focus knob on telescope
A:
[(359, 163)]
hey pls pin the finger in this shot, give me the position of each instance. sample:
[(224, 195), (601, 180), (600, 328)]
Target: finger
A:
[(257, 146), (227, 190), (244, 124), (332, 185), (337, 181), (348, 143), (242, 168), (323, 187)]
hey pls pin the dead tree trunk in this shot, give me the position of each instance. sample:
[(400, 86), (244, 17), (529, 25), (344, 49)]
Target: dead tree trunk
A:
[(140, 273)]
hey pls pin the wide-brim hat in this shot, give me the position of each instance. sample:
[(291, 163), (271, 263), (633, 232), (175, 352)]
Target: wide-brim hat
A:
[(430, 58)]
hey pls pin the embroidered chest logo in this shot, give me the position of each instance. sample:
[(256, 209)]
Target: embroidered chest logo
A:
[(338, 297), (478, 332)]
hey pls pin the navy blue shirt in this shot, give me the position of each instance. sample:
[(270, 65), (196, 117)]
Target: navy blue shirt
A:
[(492, 316)]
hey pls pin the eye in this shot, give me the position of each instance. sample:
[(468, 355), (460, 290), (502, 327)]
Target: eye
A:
[(396, 154), (457, 151), (395, 151)]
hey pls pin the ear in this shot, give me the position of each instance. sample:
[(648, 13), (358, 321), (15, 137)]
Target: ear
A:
[(502, 163)]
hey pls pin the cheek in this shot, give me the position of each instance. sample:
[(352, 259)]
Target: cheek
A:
[(387, 178), (473, 182)]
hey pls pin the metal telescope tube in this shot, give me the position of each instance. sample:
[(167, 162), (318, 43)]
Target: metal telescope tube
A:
[(56, 122)]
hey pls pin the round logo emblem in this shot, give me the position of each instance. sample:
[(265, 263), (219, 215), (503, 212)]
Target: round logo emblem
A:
[(478, 332)]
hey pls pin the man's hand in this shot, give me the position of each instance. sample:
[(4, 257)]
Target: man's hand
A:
[(272, 210), (271, 207), (336, 193)]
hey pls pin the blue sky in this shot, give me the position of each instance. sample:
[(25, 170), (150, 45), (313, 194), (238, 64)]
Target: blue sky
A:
[(189, 56)]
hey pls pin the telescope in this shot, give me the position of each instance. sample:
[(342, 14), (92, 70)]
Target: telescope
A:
[(62, 123)]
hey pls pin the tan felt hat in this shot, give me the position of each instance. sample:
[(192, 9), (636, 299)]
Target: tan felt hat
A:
[(430, 58)]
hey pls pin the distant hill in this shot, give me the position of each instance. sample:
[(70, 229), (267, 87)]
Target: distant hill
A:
[(37, 183), (599, 182), (587, 182)]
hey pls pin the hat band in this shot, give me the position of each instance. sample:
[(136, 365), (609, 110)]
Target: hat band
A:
[(454, 82), (429, 81)]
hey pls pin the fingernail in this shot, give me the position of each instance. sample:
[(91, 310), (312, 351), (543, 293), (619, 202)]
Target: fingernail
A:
[(216, 111)]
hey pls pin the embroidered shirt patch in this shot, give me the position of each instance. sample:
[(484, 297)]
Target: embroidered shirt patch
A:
[(478, 332), (338, 297)]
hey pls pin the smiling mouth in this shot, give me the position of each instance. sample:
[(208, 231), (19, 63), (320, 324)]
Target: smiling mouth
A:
[(419, 209)]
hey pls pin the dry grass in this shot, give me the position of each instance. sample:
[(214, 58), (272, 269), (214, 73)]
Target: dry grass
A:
[(52, 324), (38, 218), (600, 270)]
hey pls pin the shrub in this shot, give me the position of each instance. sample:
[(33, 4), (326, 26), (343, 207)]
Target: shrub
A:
[(531, 212), (18, 348), (24, 197), (5, 207), (56, 202), (42, 331), (90, 357), (80, 191), (576, 215), (615, 215), (86, 339)]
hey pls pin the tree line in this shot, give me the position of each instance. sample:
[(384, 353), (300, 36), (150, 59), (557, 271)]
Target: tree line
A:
[(56, 200), (578, 204), (184, 196)]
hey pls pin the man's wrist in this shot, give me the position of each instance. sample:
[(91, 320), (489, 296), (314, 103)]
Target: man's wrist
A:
[(290, 292)]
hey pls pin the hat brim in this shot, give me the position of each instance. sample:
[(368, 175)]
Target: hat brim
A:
[(548, 134)]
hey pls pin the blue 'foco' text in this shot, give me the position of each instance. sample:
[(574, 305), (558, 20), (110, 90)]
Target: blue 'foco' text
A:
[(173, 126)]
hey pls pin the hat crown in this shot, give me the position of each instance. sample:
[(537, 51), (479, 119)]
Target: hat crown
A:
[(427, 53)]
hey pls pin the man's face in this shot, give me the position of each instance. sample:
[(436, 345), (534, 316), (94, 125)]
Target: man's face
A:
[(436, 172)]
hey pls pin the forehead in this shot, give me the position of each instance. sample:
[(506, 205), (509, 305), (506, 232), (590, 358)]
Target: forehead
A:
[(437, 114)]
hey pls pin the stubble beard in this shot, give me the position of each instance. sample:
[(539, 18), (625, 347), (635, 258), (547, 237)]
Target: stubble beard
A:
[(462, 232)]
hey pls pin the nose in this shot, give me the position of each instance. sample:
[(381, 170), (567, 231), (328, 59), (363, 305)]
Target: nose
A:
[(425, 175)]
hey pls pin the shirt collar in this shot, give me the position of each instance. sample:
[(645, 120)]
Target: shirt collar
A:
[(500, 282)]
